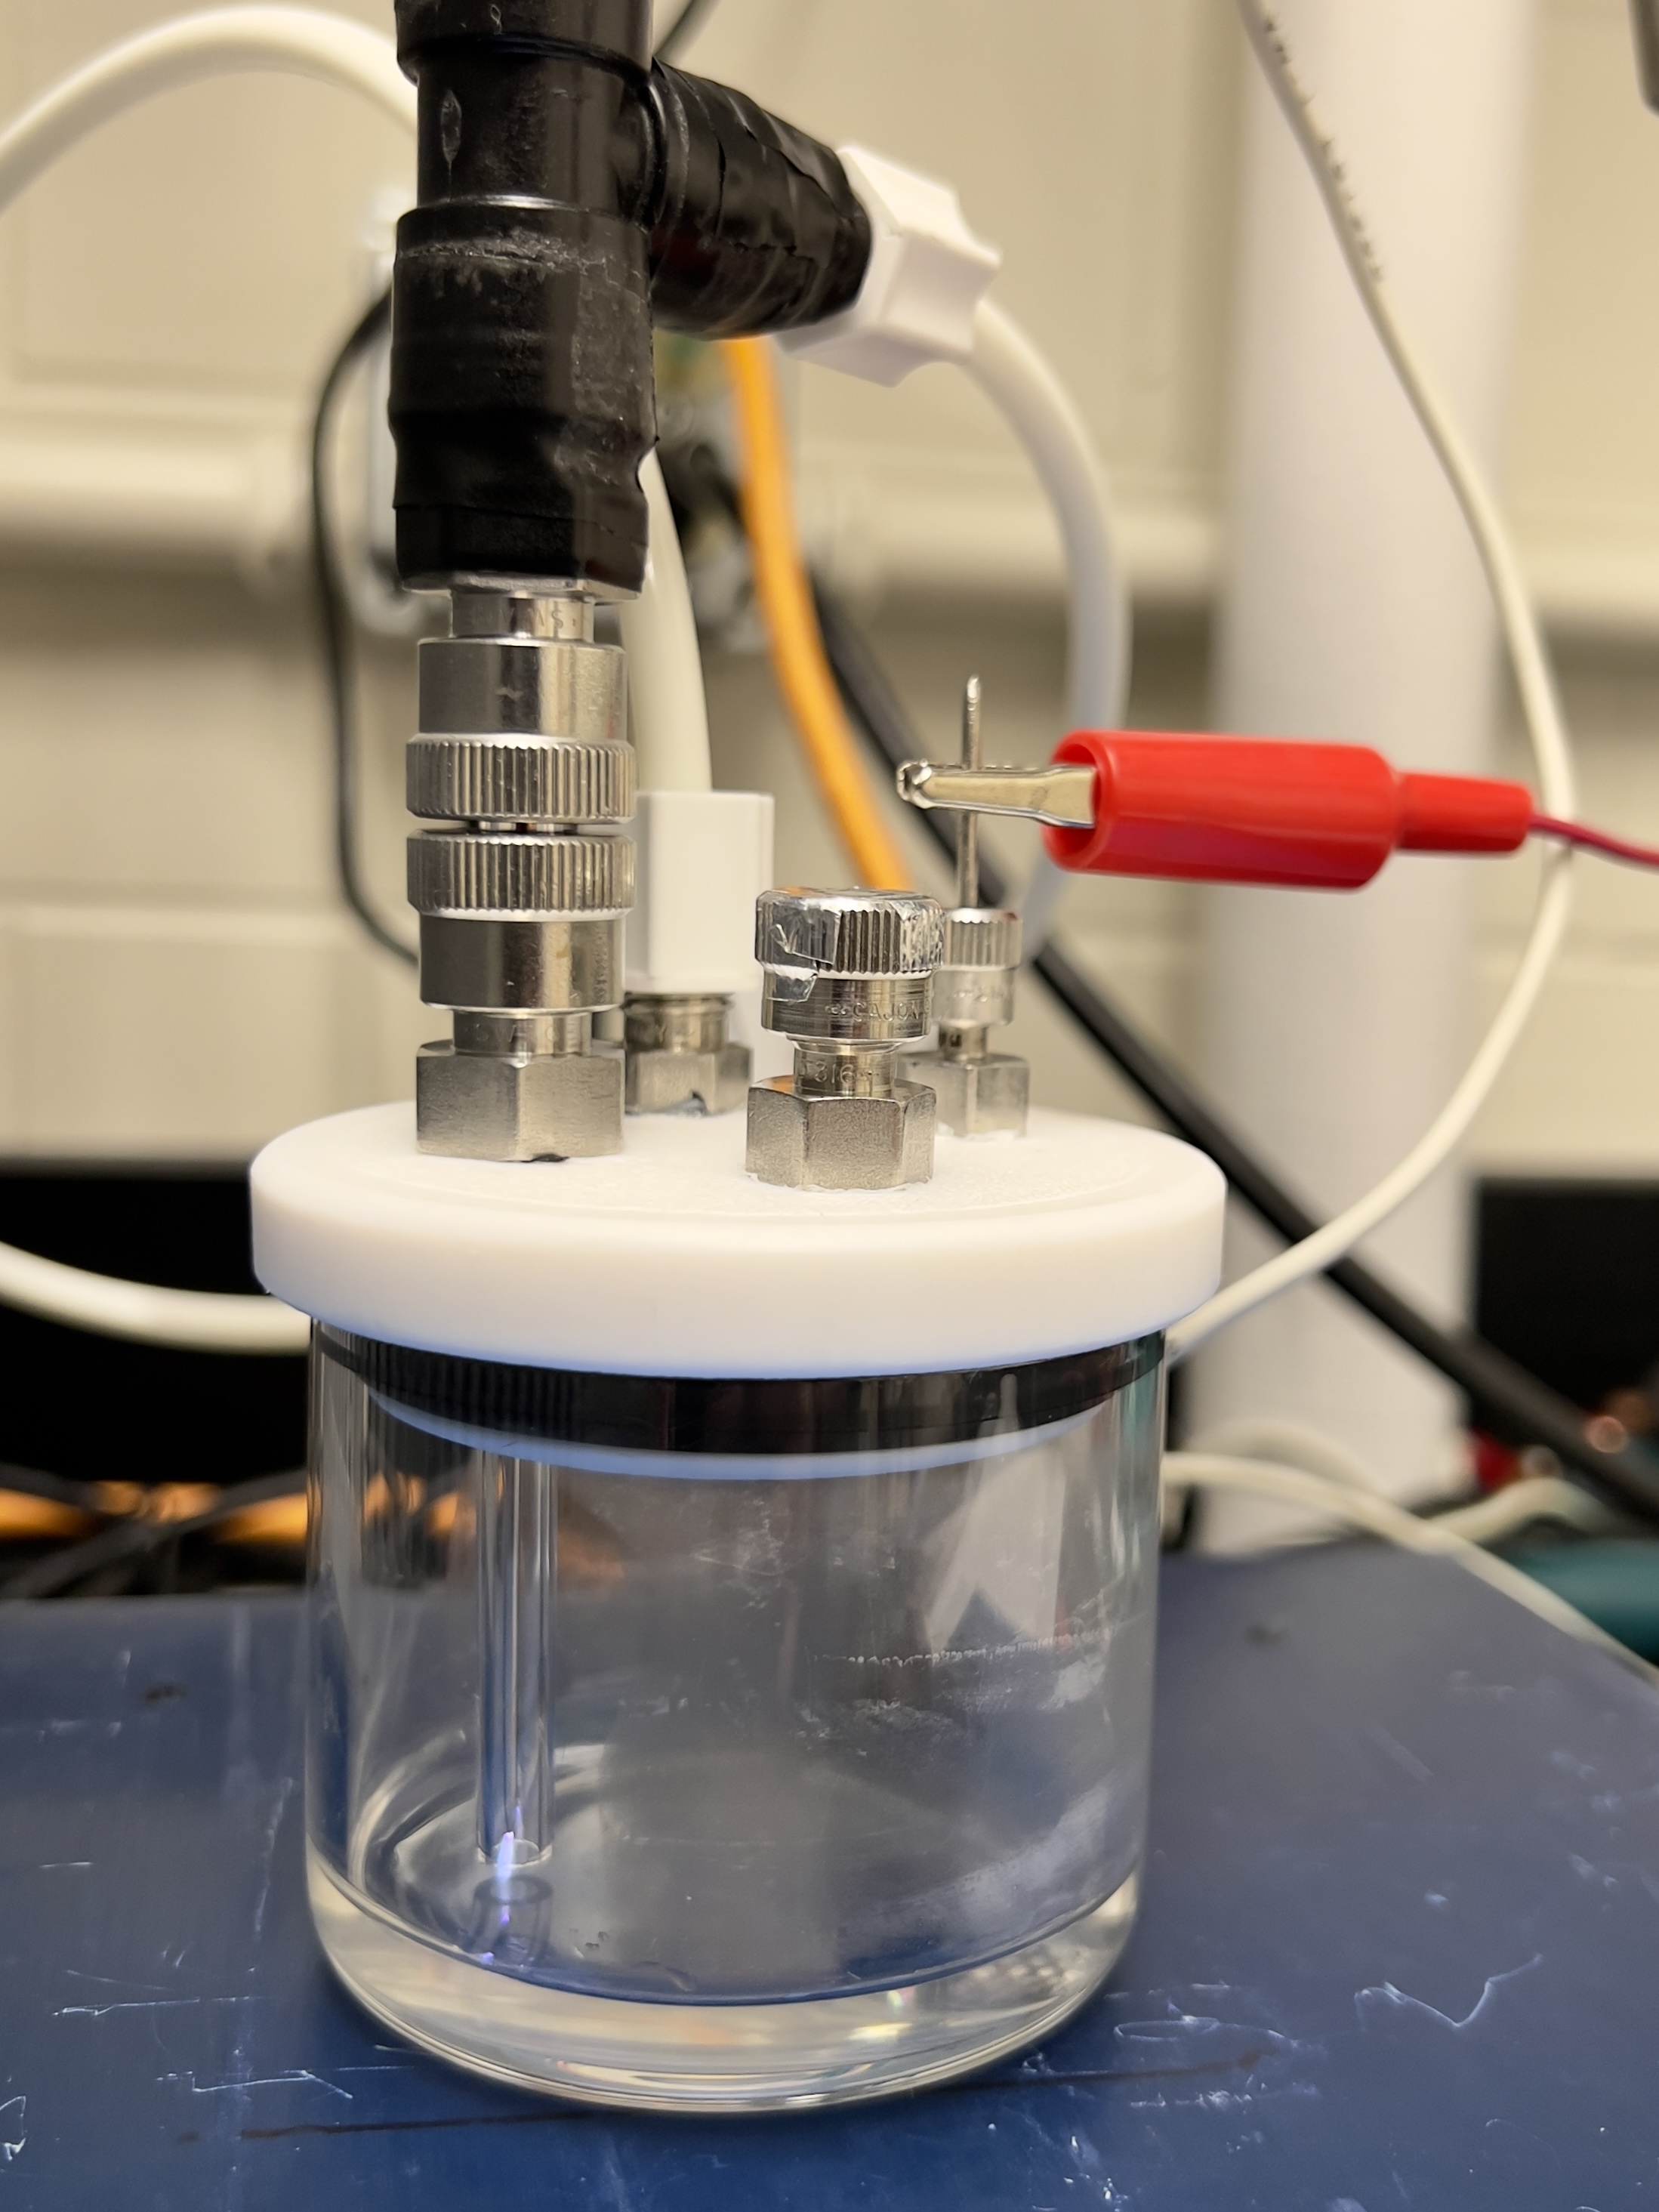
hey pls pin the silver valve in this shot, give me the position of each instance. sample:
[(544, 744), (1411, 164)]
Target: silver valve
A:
[(980, 1093), (848, 976)]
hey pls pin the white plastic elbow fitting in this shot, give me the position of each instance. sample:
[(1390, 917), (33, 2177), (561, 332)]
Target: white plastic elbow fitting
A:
[(927, 274)]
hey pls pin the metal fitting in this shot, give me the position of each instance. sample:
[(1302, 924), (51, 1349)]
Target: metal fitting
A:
[(519, 1087), (980, 1093), (680, 1058), (848, 978), (521, 917)]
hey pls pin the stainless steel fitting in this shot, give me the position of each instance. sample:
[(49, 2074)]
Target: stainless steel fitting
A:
[(980, 1092), (522, 903), (680, 1058), (848, 977)]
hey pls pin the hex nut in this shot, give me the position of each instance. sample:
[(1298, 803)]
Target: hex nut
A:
[(543, 1106), (669, 1082), (840, 1143), (976, 1098)]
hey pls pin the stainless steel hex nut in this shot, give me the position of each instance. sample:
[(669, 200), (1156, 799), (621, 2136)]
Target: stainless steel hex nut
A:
[(840, 1144), (544, 1106), (661, 1082), (976, 1098)]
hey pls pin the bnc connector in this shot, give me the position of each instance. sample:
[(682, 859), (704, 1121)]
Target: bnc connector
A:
[(980, 1092), (848, 977), (522, 899)]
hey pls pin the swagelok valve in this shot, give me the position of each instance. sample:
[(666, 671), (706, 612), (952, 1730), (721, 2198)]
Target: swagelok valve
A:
[(848, 979)]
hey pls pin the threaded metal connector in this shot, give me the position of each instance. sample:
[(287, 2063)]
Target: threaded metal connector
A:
[(524, 780), (457, 871)]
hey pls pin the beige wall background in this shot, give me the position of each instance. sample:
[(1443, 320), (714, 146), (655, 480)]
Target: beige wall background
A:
[(177, 978)]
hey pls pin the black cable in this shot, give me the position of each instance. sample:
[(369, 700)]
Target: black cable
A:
[(129, 1540), (334, 615), (684, 27), (57, 1489), (1493, 1381)]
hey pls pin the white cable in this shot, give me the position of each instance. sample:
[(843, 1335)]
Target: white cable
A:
[(224, 40), (1541, 707), (1357, 1510), (1037, 407), (664, 666), (1285, 1444), (301, 41), (192, 1320), (1518, 1504)]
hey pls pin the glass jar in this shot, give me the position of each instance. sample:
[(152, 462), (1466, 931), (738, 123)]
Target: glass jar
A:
[(729, 1745)]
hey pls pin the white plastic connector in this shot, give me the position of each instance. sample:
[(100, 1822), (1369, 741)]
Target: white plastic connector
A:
[(704, 858), (927, 274)]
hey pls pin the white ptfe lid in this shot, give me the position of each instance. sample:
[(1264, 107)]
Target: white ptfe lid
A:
[(667, 1259)]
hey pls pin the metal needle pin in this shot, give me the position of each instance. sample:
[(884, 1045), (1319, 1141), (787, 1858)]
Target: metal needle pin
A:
[(973, 756)]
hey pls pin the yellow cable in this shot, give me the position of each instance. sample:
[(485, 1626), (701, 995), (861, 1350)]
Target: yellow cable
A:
[(798, 660)]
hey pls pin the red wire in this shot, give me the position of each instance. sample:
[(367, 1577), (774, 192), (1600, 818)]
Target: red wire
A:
[(1594, 840)]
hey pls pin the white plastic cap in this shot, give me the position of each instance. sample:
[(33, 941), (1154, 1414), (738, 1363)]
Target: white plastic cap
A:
[(927, 274), (704, 857), (667, 1259)]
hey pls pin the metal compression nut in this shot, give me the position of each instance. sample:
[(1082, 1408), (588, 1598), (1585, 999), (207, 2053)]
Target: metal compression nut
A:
[(848, 976), (499, 779), (520, 685), (468, 872), (980, 1093), (848, 932)]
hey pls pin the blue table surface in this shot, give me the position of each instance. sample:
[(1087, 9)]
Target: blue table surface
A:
[(1399, 1944)]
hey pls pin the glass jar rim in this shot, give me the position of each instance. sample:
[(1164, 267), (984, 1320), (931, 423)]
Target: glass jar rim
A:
[(740, 1418)]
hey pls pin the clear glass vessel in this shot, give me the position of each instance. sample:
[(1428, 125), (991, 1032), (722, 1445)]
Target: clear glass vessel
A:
[(728, 1744)]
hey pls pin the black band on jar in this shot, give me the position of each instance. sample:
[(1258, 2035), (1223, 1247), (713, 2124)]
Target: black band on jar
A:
[(741, 1416)]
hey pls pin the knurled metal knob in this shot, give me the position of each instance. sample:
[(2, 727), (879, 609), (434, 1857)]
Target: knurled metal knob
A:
[(848, 933), (465, 873), (981, 937), (460, 779)]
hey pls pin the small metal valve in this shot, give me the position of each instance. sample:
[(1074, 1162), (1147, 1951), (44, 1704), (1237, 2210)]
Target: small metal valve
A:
[(848, 978), (980, 1092)]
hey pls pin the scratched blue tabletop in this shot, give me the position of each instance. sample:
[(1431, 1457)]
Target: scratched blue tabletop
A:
[(1399, 1944)]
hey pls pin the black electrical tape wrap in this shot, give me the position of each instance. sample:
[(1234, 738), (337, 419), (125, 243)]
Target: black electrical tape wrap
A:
[(522, 372), (566, 189), (756, 226), (1500, 1390)]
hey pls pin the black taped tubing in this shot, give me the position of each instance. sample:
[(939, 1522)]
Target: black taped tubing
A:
[(618, 28), (566, 191), (521, 393), (522, 396), (754, 227)]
